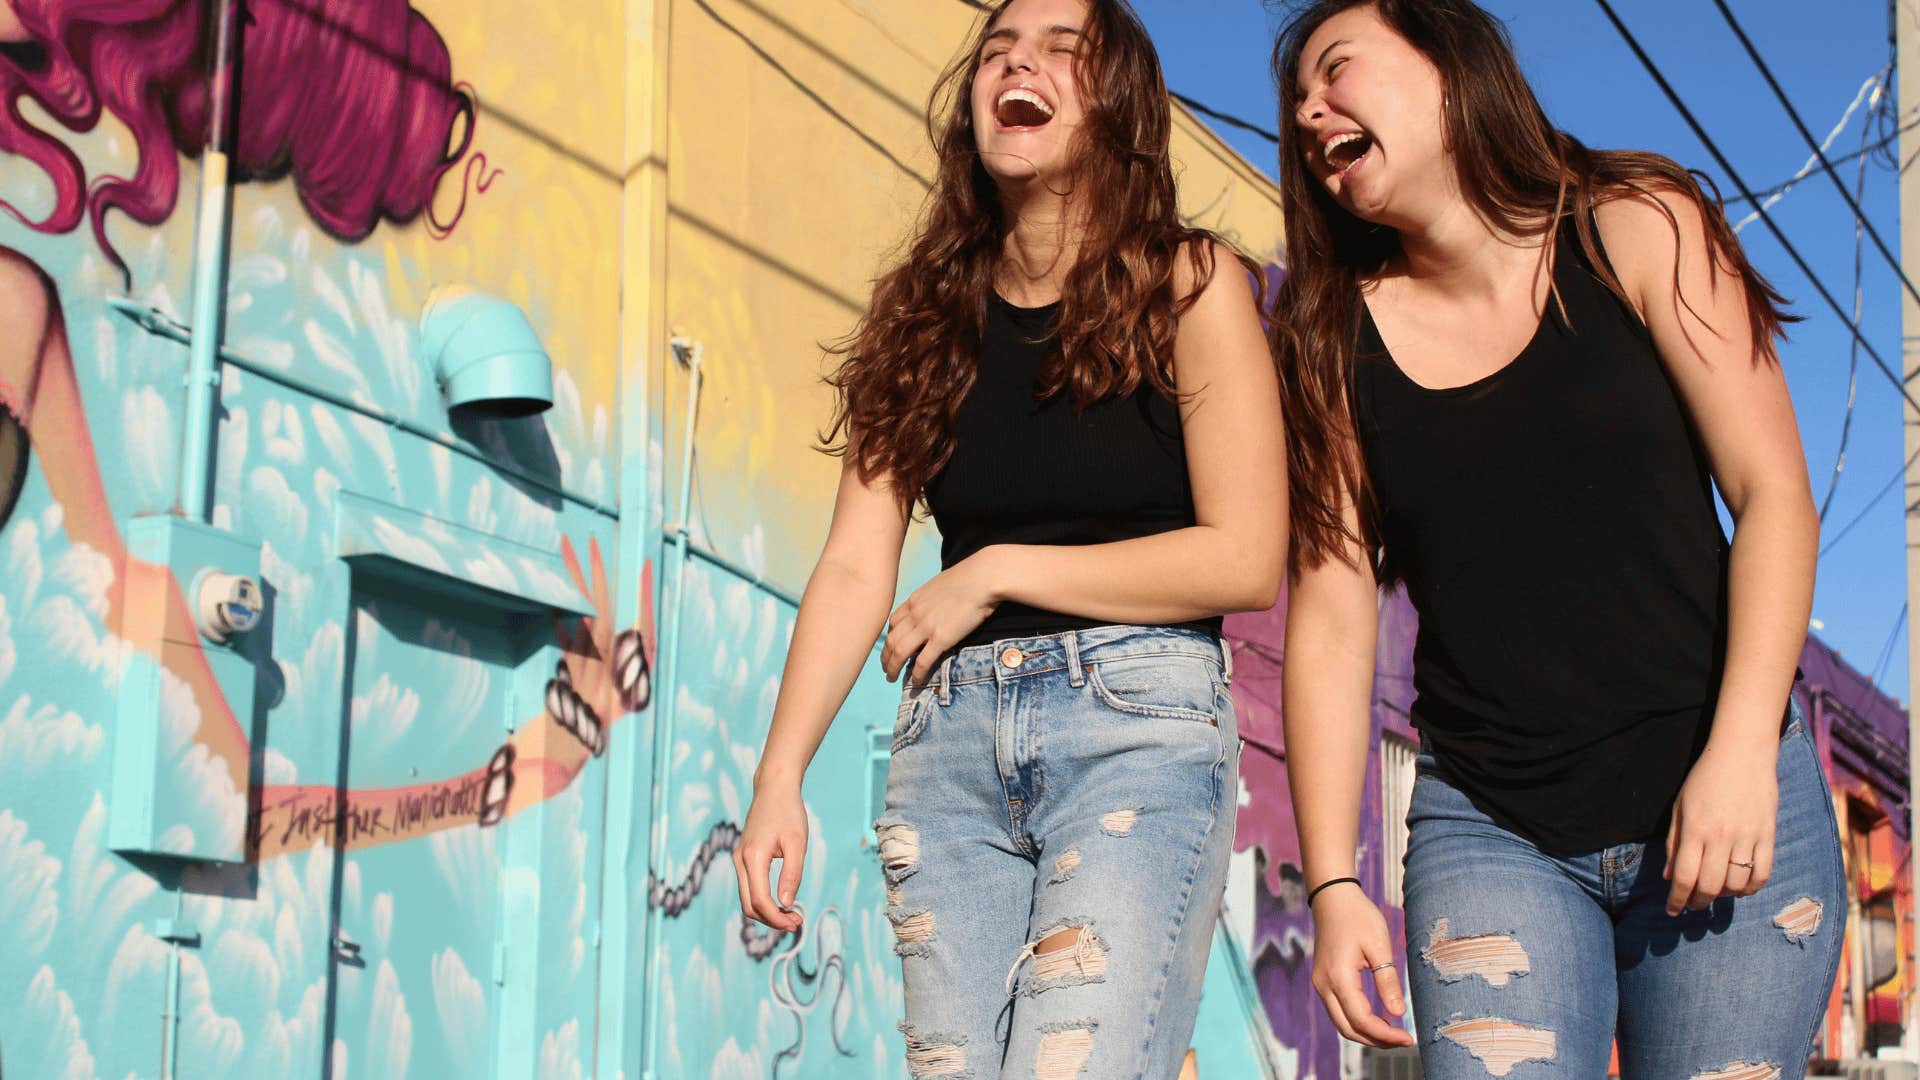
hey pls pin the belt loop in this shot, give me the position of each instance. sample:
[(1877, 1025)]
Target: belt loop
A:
[(946, 685), (1075, 677), (1226, 660)]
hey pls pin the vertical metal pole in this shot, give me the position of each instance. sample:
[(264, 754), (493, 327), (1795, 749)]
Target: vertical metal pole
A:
[(209, 271), (666, 693), (169, 1022), (174, 933), (203, 372), (1905, 17)]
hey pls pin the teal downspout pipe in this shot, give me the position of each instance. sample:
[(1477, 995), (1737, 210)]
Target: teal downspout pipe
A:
[(203, 373), (209, 273), (171, 933), (668, 691), (170, 1020)]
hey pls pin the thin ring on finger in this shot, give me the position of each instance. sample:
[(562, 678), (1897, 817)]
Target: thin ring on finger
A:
[(1377, 967), (1739, 878)]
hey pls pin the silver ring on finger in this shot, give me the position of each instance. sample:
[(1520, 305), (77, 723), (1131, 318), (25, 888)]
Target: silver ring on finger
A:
[(1377, 967), (1737, 862)]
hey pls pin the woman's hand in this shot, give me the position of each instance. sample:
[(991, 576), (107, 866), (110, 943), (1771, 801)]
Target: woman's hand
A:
[(1350, 936), (776, 829), (938, 615), (1721, 840)]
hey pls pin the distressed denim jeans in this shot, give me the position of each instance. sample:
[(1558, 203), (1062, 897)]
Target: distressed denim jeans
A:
[(1059, 814), (1523, 962)]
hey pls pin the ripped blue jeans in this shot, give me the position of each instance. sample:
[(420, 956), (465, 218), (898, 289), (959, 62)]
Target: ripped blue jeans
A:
[(1526, 964), (1059, 814)]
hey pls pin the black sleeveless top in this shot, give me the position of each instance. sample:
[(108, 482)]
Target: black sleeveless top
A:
[(1554, 524), (1026, 471)]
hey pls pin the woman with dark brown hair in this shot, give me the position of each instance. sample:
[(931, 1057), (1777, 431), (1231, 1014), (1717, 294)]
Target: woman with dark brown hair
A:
[(1076, 385), (1515, 370)]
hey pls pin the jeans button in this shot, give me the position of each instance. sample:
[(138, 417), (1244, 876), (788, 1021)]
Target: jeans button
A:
[(1012, 657)]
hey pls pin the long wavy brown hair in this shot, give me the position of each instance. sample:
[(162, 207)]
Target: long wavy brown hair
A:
[(912, 358), (1521, 174)]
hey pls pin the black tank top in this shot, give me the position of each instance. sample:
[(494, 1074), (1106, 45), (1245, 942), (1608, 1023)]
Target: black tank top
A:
[(1026, 471), (1555, 527)]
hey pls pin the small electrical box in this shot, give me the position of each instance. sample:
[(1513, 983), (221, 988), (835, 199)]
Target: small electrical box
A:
[(187, 695)]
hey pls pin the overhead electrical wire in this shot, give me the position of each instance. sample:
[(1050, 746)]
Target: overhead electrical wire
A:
[(1859, 297), (1225, 118), (1871, 503), (1886, 651), (1869, 95), (1879, 144), (1826, 166), (1733, 174)]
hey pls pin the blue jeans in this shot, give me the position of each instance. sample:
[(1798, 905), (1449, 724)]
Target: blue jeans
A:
[(1523, 962), (1059, 815)]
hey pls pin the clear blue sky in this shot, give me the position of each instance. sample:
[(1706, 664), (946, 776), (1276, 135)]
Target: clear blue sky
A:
[(1593, 87)]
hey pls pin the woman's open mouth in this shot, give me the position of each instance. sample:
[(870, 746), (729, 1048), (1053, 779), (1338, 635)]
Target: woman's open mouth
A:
[(1020, 108), (1345, 150)]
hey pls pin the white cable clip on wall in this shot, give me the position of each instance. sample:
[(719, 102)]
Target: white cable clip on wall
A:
[(225, 604)]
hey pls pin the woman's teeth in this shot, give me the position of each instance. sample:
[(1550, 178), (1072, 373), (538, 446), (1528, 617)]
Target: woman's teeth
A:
[(1022, 108)]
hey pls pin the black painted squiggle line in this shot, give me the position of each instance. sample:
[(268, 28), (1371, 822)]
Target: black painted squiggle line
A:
[(720, 841), (789, 976), (572, 712), (631, 674), (493, 801), (760, 941)]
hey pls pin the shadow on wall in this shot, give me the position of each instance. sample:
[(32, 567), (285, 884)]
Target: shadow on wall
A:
[(522, 441)]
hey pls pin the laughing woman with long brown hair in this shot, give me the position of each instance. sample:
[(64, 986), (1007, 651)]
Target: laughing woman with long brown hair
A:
[(1075, 383), (1515, 370)]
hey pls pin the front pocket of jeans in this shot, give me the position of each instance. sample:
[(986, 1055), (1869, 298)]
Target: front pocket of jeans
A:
[(1155, 686), (910, 720)]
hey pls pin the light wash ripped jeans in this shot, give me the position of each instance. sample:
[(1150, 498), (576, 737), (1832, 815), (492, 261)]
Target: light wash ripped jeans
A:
[(1077, 790), (1523, 962)]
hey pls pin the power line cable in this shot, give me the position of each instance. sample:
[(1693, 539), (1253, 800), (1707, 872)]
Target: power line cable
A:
[(1890, 122), (1871, 503), (1225, 118), (1733, 175), (813, 95), (1825, 165), (1886, 651), (1869, 95), (1853, 349), (1880, 144)]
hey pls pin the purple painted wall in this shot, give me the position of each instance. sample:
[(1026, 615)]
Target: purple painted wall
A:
[(1281, 951)]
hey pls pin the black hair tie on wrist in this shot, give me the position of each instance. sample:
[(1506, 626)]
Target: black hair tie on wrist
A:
[(1318, 889)]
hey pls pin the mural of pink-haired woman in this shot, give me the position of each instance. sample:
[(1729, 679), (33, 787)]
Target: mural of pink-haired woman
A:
[(353, 99)]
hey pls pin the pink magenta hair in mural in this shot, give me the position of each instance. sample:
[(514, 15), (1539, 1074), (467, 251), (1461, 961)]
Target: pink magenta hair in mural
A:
[(353, 99)]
